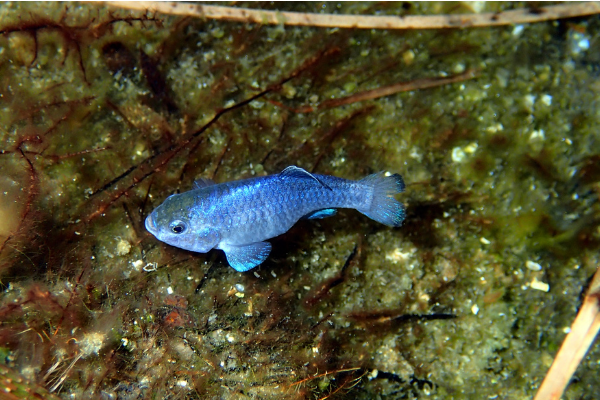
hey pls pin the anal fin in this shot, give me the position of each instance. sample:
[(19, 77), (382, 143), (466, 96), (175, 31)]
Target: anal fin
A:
[(327, 212)]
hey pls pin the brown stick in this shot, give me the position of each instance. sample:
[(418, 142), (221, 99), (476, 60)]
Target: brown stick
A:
[(417, 84), (519, 16), (576, 344), (423, 83)]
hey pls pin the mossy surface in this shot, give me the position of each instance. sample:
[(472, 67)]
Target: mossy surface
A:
[(105, 113)]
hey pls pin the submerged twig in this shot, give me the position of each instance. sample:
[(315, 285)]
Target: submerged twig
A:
[(576, 344), (323, 290), (519, 16), (383, 91)]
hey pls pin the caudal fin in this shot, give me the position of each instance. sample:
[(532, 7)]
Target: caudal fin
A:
[(384, 208)]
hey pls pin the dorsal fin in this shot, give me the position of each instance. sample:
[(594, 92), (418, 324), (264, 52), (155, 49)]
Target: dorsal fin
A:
[(296, 172), (203, 182)]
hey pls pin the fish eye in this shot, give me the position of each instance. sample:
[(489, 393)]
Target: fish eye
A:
[(177, 226)]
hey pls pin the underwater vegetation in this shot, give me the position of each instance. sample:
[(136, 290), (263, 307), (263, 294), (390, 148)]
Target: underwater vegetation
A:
[(105, 113)]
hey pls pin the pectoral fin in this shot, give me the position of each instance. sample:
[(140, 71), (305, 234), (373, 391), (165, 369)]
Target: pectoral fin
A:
[(327, 212), (244, 258)]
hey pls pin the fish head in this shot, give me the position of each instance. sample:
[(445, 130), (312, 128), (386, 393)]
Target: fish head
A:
[(173, 223)]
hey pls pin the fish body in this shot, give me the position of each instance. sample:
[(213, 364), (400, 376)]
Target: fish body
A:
[(238, 217)]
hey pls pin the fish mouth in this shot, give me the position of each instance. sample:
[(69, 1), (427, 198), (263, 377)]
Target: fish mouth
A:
[(150, 225)]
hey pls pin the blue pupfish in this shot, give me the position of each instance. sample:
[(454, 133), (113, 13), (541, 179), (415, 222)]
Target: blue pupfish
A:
[(237, 217)]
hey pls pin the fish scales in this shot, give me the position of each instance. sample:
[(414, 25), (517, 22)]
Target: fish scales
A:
[(263, 208), (238, 217)]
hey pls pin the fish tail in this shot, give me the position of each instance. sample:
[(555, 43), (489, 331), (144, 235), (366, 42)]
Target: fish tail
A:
[(384, 208)]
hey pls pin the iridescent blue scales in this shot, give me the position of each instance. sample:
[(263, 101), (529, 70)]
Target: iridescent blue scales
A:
[(237, 217)]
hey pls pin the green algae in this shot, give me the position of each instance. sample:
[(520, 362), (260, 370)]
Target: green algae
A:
[(106, 114)]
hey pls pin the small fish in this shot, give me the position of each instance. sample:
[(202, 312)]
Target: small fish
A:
[(237, 217)]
